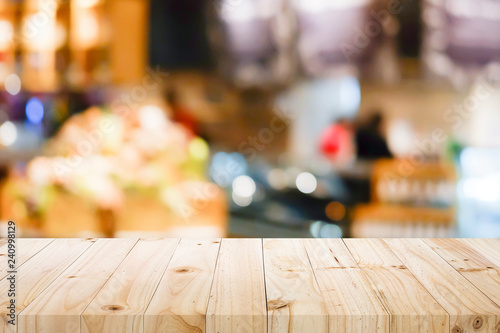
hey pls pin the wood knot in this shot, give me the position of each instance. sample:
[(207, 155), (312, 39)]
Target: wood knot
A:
[(113, 308), (478, 323), (183, 270), (457, 329), (276, 305), (72, 277)]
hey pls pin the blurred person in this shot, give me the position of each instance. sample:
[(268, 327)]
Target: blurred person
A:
[(370, 141), (337, 142)]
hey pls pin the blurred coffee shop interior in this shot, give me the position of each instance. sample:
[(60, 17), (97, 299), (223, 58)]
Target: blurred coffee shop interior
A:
[(250, 118)]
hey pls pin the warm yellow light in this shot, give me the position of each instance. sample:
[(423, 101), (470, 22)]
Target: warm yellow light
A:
[(87, 29), (335, 211), (48, 36), (198, 148), (152, 117), (87, 3), (6, 33)]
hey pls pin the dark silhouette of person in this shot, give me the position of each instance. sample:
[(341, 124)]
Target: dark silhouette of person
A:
[(370, 142)]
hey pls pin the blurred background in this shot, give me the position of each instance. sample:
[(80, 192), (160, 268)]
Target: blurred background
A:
[(250, 118)]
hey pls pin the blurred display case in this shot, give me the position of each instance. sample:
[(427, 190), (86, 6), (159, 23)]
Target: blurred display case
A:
[(89, 38), (408, 201), (43, 37), (378, 220)]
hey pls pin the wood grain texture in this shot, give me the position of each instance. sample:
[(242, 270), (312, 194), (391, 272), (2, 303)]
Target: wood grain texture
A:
[(411, 307), (351, 303), (59, 307), (294, 301), (121, 303), (3, 247), (255, 285), (476, 268), (238, 298), (25, 249), (181, 300), (469, 309), (488, 247), (39, 272)]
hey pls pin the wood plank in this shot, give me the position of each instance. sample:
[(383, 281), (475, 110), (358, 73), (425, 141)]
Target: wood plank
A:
[(316, 285), (411, 307), (238, 299), (181, 300), (121, 303), (475, 267), (39, 272), (469, 309), (488, 247), (25, 249), (3, 251), (294, 301), (351, 303), (59, 307)]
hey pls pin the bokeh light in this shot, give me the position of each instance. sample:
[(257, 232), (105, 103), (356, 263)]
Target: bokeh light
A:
[(306, 182), (87, 3), (34, 110), (244, 186), (198, 148), (13, 84), (6, 33), (335, 211), (277, 179), (241, 201), (321, 229), (8, 133), (152, 117), (350, 95)]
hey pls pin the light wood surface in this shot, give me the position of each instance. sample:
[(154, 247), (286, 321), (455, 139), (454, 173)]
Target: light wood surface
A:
[(476, 268), (120, 304), (410, 305), (469, 309), (294, 301), (255, 285), (73, 290), (48, 264), (25, 249), (180, 302), (489, 247), (351, 302), (238, 298)]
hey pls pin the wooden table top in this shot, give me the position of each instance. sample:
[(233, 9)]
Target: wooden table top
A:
[(254, 285)]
